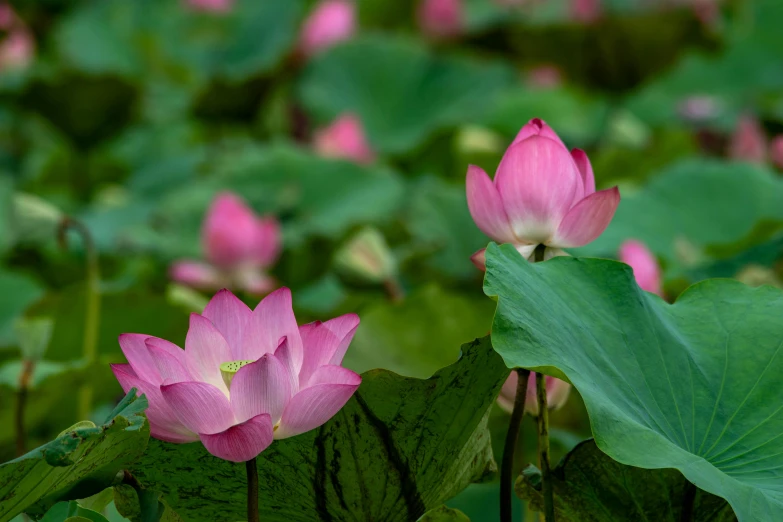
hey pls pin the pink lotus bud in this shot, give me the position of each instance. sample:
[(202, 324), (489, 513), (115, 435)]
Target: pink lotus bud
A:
[(748, 143), (542, 194), (586, 11), (211, 6), (17, 49), (344, 138), (245, 377), (331, 22), (556, 393), (776, 151), (440, 18), (7, 16), (238, 247), (645, 266)]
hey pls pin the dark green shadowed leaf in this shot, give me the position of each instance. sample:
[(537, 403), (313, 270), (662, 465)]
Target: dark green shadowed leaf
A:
[(692, 385), (444, 514), (399, 447), (591, 487), (77, 464), (72, 512)]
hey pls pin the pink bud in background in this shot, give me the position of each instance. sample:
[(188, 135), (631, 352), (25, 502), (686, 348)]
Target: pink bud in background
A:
[(440, 18), (544, 77), (542, 194), (7, 16), (211, 6), (17, 49), (332, 21), (748, 143), (699, 108), (586, 11), (344, 138), (245, 377), (645, 267), (238, 247), (556, 393), (776, 151)]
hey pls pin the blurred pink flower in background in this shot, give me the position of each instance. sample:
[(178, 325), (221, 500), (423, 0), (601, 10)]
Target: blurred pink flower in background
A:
[(212, 6), (645, 266), (238, 247), (544, 77), (699, 108), (749, 142), (17, 46), (331, 21), (541, 194), (440, 18), (776, 151), (244, 378), (556, 393), (586, 11), (344, 138)]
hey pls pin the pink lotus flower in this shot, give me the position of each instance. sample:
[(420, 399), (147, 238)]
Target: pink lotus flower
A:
[(748, 143), (544, 77), (645, 266), (212, 6), (344, 138), (440, 18), (556, 393), (331, 22), (542, 194), (17, 49), (245, 377), (776, 151), (238, 246)]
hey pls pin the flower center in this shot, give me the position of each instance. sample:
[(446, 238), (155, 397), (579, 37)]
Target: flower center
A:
[(229, 369)]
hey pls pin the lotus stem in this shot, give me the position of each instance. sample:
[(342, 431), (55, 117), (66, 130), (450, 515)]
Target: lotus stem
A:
[(688, 500), (21, 401), (543, 447), (394, 289), (252, 491), (507, 465), (93, 307)]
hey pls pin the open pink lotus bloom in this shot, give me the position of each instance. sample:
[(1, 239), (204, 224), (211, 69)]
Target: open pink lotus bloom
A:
[(245, 377), (238, 247), (542, 194), (748, 143), (214, 6), (440, 18), (556, 393), (645, 266), (344, 138), (332, 21)]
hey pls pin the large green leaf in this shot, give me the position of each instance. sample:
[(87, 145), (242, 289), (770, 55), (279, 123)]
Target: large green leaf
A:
[(591, 487), (693, 385), (419, 335), (77, 464), (709, 205), (17, 292), (399, 447), (401, 92)]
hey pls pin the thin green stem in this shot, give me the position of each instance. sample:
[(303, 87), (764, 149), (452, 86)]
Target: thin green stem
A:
[(252, 491), (21, 402), (93, 306), (507, 465), (543, 447), (688, 500)]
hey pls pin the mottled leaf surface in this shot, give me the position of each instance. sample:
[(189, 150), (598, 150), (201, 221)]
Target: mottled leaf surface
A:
[(77, 464)]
